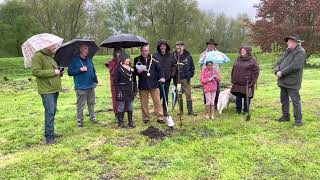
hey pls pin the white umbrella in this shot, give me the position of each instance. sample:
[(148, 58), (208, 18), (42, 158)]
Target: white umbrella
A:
[(37, 43)]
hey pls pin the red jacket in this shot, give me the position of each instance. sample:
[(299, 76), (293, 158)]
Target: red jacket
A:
[(206, 74)]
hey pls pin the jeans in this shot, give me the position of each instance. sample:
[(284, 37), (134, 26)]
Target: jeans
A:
[(123, 104), (50, 105)]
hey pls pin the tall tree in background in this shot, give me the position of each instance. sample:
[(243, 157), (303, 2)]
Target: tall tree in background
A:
[(277, 19), (16, 25), (64, 18)]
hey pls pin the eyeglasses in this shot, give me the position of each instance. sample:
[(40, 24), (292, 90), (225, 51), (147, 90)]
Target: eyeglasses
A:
[(210, 65)]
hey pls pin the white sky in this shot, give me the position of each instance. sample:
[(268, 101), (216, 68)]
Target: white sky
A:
[(230, 7)]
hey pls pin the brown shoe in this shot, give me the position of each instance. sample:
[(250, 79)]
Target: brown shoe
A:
[(161, 121)]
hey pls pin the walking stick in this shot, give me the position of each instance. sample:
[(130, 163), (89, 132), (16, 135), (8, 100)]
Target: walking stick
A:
[(180, 99), (247, 99)]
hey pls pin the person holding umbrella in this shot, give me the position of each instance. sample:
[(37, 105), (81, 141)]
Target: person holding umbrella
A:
[(126, 89), (187, 70), (85, 80), (211, 46), (112, 66), (245, 72), (167, 62), (48, 77), (289, 72), (150, 74)]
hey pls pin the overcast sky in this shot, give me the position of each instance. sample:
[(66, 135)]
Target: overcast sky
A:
[(230, 7)]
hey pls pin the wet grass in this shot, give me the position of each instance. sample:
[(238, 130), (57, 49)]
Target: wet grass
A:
[(226, 148)]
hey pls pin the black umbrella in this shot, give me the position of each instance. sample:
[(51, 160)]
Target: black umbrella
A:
[(124, 41), (69, 49)]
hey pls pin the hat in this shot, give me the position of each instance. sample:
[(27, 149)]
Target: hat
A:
[(123, 56), (211, 41), (295, 37), (179, 43)]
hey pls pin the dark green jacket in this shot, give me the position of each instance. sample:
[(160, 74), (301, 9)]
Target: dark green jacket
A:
[(291, 66), (43, 66)]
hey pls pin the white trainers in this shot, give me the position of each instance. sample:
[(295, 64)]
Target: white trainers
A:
[(207, 116)]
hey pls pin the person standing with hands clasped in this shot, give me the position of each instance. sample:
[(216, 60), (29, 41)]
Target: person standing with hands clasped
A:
[(210, 78), (126, 89), (85, 81)]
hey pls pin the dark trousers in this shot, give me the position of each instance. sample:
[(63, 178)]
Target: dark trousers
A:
[(166, 93), (50, 105), (216, 98), (296, 101), (241, 101)]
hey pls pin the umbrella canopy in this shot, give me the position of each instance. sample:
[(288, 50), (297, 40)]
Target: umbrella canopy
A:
[(37, 43), (69, 49), (124, 41), (216, 57)]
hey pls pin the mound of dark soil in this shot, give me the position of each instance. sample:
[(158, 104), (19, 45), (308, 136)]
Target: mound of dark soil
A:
[(153, 133)]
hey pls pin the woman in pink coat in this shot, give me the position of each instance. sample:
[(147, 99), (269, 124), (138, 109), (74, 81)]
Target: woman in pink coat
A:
[(209, 79)]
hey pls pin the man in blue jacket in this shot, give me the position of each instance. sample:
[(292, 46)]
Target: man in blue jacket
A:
[(85, 80)]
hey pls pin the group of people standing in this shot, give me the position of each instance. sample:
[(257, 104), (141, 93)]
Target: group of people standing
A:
[(152, 74)]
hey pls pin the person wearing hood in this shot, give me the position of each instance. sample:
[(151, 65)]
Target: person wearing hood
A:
[(126, 89), (48, 77), (244, 69), (211, 46), (289, 72), (167, 63), (187, 70), (85, 81)]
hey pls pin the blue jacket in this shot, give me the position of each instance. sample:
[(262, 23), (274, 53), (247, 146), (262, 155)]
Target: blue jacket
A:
[(82, 80)]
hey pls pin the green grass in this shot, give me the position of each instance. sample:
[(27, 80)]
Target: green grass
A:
[(226, 148)]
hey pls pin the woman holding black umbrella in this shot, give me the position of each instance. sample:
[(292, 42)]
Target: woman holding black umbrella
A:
[(112, 65)]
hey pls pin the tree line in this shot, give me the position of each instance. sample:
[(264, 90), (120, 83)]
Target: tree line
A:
[(173, 20)]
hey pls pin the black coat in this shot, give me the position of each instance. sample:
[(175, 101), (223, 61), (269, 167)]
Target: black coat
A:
[(187, 70), (167, 62), (148, 82), (122, 83)]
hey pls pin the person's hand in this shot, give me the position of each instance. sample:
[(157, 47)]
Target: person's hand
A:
[(57, 71), (279, 75), (83, 69), (162, 80), (212, 78), (139, 71)]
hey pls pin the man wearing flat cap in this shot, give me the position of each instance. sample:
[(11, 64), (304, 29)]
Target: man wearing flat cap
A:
[(211, 46), (187, 70), (289, 72)]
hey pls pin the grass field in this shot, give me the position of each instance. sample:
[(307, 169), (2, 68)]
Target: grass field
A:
[(225, 148)]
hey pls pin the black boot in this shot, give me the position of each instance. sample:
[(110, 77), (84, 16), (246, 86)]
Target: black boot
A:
[(284, 119), (116, 116), (120, 120), (130, 120), (190, 109)]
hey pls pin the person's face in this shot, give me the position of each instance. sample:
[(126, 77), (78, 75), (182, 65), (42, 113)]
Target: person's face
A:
[(243, 52), (292, 44), (52, 49), (211, 47), (145, 51), (118, 53), (209, 66), (179, 48), (163, 48), (126, 62), (84, 50)]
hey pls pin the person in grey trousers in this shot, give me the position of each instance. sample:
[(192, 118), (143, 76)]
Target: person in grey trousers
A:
[(289, 72), (85, 80)]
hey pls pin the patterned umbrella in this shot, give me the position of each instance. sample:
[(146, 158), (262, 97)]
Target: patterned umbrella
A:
[(37, 43)]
